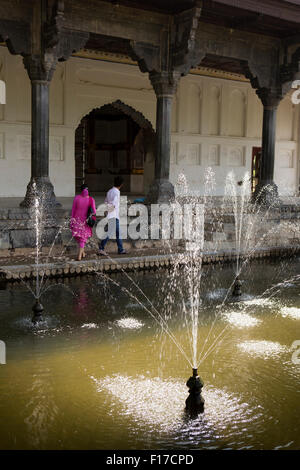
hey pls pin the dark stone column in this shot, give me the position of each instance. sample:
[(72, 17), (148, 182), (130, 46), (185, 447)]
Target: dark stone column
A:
[(266, 191), (268, 145), (40, 129), (42, 43), (39, 183), (164, 84)]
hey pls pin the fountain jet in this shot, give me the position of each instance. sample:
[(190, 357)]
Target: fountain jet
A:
[(194, 403), (37, 312)]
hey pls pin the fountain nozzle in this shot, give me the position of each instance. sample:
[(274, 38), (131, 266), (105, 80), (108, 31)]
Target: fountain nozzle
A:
[(194, 403), (37, 311), (237, 291)]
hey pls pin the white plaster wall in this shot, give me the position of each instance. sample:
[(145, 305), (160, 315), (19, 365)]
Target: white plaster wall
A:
[(215, 122), (287, 148), (78, 86)]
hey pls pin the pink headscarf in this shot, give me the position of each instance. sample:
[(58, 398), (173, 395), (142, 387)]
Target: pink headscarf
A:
[(85, 192)]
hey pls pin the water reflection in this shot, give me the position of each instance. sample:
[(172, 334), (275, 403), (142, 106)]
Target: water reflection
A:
[(129, 323), (241, 320), (158, 404), (263, 348), (290, 312), (48, 399)]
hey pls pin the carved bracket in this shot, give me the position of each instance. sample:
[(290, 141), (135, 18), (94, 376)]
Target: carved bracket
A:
[(57, 43), (16, 35), (175, 55), (68, 43), (184, 53), (54, 26), (146, 55)]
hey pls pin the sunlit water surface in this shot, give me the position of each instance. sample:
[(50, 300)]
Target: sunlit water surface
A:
[(98, 373)]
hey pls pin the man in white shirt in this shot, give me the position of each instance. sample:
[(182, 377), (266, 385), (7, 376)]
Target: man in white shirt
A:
[(113, 208)]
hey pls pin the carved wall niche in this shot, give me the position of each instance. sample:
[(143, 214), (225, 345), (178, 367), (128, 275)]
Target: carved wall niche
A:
[(2, 155), (24, 147), (2, 97), (2, 88), (56, 105), (214, 155), (173, 153), (193, 154), (56, 148), (194, 108), (236, 156), (256, 116), (174, 117), (23, 93), (236, 113), (213, 110), (181, 156), (286, 158), (285, 120)]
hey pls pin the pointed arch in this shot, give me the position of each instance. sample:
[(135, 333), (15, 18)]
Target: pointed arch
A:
[(110, 139)]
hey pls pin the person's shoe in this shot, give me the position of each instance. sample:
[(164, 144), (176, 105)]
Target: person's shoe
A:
[(102, 253), (123, 252)]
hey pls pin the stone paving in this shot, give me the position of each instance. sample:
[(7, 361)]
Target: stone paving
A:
[(143, 260)]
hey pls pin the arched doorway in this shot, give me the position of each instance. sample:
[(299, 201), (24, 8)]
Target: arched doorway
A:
[(114, 140)]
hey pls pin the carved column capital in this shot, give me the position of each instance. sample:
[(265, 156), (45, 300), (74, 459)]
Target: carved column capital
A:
[(40, 68), (164, 83), (270, 98)]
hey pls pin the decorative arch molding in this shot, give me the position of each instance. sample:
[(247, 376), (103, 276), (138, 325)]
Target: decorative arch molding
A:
[(2, 92), (143, 142), (237, 113), (213, 118), (135, 115)]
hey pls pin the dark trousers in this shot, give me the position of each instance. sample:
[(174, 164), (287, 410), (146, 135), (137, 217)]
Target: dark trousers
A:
[(113, 225)]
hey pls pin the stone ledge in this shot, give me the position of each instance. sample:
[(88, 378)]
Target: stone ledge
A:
[(118, 264)]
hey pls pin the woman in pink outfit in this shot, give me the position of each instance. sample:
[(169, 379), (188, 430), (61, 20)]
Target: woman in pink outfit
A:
[(81, 231)]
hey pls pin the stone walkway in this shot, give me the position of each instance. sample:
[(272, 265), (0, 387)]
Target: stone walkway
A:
[(114, 263)]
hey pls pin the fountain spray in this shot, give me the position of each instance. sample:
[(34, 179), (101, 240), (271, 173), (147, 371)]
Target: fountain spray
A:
[(37, 307), (194, 403)]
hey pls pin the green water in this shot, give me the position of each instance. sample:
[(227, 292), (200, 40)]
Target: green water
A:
[(99, 373)]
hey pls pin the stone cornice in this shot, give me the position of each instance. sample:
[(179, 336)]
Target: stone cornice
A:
[(123, 59)]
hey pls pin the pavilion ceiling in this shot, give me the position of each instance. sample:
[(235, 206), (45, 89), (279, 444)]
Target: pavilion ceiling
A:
[(273, 18), (258, 21), (112, 25), (278, 18)]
